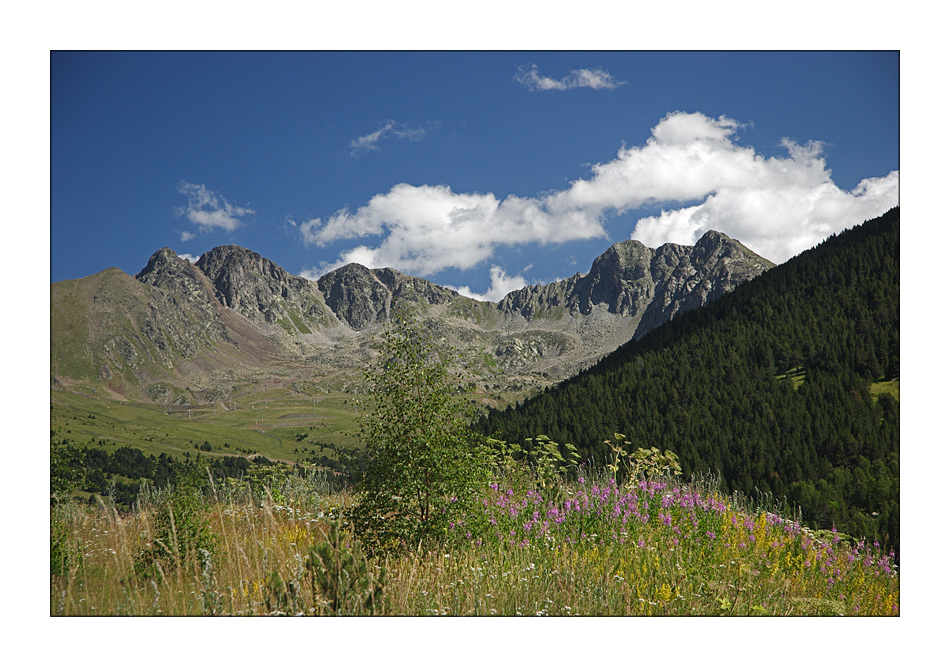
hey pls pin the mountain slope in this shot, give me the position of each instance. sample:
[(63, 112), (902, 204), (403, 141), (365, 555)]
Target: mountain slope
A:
[(135, 338), (773, 386)]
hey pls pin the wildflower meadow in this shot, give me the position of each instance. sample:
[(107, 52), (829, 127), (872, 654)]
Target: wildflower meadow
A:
[(595, 548)]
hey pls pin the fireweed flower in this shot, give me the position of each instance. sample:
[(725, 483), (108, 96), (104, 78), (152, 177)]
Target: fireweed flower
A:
[(603, 509)]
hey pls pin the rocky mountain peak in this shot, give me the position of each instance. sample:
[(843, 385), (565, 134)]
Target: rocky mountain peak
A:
[(262, 291), (631, 280), (417, 290), (362, 297), (240, 275), (687, 277), (168, 271), (356, 295), (619, 279), (162, 266)]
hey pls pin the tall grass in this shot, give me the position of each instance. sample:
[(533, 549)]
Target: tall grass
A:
[(652, 549), (255, 534)]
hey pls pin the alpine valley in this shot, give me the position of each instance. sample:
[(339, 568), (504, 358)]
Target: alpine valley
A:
[(776, 388)]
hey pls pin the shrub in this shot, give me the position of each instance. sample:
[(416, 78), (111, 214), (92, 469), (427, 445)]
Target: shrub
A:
[(648, 464), (180, 532), (550, 463), (341, 573), (64, 553), (425, 468)]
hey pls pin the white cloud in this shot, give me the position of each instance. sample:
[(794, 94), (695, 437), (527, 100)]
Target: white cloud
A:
[(187, 257), (501, 285), (428, 228), (598, 79), (186, 236), (776, 224), (209, 210), (777, 206), (390, 128)]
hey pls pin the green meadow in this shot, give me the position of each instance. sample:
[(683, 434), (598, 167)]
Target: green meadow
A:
[(266, 422)]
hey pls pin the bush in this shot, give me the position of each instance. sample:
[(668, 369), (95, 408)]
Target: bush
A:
[(424, 467), (343, 576), (64, 553), (180, 532)]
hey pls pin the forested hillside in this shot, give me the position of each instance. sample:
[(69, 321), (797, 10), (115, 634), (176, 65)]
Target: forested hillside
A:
[(777, 386)]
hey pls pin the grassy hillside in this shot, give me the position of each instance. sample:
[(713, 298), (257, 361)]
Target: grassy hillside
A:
[(75, 328), (788, 386)]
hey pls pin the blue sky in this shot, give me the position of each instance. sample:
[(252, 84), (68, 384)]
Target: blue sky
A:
[(484, 171)]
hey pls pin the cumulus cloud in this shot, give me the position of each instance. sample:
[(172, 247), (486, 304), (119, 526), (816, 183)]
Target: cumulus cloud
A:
[(428, 228), (501, 285), (777, 206), (598, 79), (209, 210), (186, 236), (776, 224), (389, 129), (189, 258)]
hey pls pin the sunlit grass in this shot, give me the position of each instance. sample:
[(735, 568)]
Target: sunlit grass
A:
[(892, 387)]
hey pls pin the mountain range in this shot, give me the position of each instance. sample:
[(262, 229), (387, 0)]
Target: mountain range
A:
[(189, 333)]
